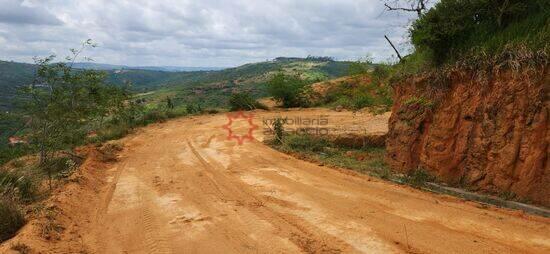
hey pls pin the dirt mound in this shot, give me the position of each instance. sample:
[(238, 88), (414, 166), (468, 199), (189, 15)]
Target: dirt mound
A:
[(324, 87), (489, 133), (58, 223)]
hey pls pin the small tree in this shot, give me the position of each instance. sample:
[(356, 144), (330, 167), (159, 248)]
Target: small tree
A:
[(62, 102), (289, 90), (278, 130), (169, 103)]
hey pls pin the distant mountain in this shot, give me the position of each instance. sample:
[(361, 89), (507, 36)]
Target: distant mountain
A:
[(109, 67)]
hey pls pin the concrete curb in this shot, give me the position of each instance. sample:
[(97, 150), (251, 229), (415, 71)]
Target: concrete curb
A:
[(486, 199)]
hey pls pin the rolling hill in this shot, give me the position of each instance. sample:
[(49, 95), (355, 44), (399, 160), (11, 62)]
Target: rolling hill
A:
[(113, 67), (212, 88), (209, 86)]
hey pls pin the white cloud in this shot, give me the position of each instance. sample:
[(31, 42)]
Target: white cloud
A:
[(199, 33)]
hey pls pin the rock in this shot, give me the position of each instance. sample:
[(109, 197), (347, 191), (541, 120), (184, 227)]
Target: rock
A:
[(339, 108)]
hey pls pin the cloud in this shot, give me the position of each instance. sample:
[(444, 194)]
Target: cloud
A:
[(200, 33), (17, 13)]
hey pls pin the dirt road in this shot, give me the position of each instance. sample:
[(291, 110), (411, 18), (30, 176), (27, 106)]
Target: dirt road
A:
[(182, 187)]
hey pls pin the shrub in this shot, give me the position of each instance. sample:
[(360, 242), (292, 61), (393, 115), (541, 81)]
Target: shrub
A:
[(193, 108), (303, 142), (244, 101), (360, 67), (361, 100), (418, 177), (11, 220), (289, 90), (453, 26), (21, 248), (8, 153), (154, 116), (17, 185), (279, 130)]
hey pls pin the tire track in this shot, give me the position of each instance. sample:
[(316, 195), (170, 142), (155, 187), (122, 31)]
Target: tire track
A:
[(304, 235), (155, 240)]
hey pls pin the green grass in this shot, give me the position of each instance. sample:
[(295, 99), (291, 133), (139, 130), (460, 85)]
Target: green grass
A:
[(368, 160), (521, 42), (356, 94)]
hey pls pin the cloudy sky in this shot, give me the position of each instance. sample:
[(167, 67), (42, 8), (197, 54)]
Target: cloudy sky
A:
[(199, 32)]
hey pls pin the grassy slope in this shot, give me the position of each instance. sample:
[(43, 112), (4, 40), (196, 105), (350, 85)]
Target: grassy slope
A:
[(212, 88)]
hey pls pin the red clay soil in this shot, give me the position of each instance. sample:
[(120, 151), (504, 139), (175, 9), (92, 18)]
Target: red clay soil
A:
[(183, 187), (488, 133)]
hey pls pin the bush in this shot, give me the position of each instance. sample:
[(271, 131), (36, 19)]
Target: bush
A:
[(154, 116), (454, 26), (193, 108), (16, 185), (418, 177), (279, 130), (21, 248), (11, 220), (289, 90), (244, 101), (8, 153), (360, 67), (361, 100), (303, 142)]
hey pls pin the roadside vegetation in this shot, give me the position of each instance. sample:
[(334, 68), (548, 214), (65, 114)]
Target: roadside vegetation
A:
[(366, 159), (367, 89), (476, 36), (244, 101), (61, 109)]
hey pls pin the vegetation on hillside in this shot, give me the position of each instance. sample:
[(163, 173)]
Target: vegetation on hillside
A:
[(290, 91), (244, 101), (213, 88), (60, 109), (477, 35)]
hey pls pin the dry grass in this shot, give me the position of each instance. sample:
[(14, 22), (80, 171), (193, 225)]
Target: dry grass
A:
[(11, 219), (21, 248)]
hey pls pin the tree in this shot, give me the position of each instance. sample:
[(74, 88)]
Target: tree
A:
[(62, 103), (289, 90), (361, 66), (418, 6)]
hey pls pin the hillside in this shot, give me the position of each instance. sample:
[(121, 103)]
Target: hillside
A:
[(13, 75), (207, 88), (190, 84), (114, 67), (472, 110), (212, 88)]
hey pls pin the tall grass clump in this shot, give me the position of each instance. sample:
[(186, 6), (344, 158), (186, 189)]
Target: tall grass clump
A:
[(17, 185), (11, 219), (244, 101)]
